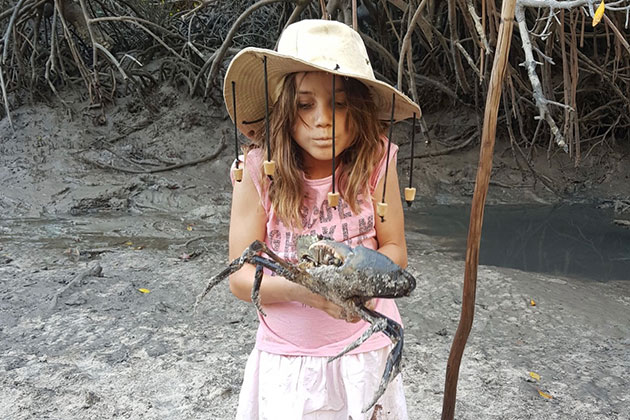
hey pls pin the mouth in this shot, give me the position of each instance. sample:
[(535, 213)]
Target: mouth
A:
[(322, 141)]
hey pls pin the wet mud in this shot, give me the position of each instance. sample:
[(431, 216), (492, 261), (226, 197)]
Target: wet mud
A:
[(99, 271)]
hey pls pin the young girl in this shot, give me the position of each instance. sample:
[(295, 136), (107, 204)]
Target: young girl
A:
[(288, 375)]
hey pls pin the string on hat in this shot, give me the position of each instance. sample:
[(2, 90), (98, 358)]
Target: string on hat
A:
[(236, 171), (268, 165), (322, 5), (410, 192), (333, 197), (381, 208)]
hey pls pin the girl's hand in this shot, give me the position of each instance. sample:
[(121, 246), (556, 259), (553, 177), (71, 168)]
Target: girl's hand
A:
[(319, 302), (334, 310)]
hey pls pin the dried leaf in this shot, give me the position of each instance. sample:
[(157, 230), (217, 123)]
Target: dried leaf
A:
[(144, 290), (534, 375), (599, 13)]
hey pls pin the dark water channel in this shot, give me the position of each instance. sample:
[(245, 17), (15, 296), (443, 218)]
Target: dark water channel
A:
[(569, 240), (104, 232)]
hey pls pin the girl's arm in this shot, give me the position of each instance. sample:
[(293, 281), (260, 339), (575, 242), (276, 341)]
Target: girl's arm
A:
[(390, 234), (247, 223)]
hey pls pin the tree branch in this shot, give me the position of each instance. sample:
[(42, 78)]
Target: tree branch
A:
[(530, 65)]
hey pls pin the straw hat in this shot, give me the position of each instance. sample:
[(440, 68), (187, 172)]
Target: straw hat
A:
[(308, 45)]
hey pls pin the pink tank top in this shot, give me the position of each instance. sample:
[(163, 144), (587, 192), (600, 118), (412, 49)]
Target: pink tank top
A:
[(292, 328)]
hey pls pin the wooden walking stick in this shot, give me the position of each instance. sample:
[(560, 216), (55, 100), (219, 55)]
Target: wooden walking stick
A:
[(477, 207)]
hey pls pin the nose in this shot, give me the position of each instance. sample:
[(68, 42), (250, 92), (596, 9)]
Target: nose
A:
[(323, 116)]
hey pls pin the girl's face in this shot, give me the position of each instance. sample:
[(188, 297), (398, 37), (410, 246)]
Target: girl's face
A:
[(312, 129)]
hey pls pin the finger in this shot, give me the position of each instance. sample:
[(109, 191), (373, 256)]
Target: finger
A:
[(348, 317), (370, 304)]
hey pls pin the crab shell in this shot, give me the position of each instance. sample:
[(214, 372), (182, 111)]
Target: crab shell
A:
[(356, 273)]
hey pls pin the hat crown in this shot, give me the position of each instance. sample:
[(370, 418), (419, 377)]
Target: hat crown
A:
[(308, 45), (328, 44)]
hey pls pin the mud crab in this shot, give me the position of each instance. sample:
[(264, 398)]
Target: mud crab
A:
[(346, 276)]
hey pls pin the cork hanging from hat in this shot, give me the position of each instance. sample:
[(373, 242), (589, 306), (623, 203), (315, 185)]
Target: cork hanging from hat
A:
[(237, 171), (410, 191), (333, 197), (269, 165), (381, 208)]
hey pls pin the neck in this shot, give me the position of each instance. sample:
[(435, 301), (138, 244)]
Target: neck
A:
[(318, 171)]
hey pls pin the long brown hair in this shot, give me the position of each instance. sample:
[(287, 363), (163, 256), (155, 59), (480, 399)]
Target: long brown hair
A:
[(356, 163)]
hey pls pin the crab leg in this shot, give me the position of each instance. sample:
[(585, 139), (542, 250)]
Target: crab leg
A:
[(392, 366), (394, 331), (256, 289), (377, 326), (250, 255)]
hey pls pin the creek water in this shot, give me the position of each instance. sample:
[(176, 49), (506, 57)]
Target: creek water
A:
[(568, 240), (96, 233)]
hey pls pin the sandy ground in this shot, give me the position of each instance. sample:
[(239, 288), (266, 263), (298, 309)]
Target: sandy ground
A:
[(79, 346)]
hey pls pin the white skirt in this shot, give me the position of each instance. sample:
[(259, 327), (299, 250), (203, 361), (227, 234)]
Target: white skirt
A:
[(279, 387)]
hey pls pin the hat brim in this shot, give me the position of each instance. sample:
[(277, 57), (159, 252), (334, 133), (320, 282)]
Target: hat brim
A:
[(247, 71)]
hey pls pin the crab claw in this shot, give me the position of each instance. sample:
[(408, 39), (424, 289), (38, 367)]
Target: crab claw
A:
[(328, 252), (388, 279), (319, 250)]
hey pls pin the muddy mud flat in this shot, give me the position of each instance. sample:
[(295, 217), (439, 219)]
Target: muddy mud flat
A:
[(124, 342), (99, 271)]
